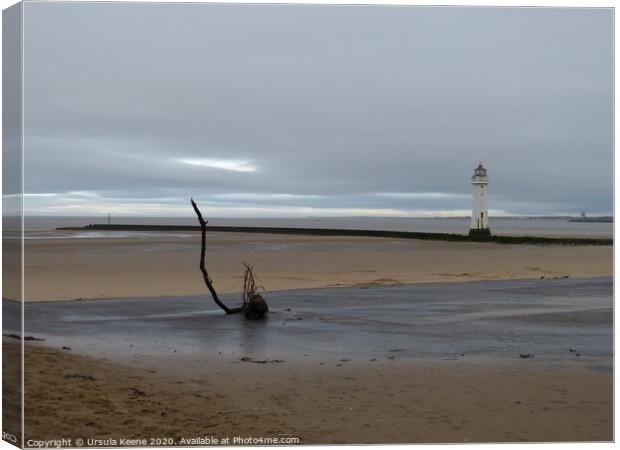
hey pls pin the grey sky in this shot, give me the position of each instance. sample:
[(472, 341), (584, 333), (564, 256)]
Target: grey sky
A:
[(315, 110)]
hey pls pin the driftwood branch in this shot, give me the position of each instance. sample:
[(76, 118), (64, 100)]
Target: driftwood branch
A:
[(254, 305), (203, 267)]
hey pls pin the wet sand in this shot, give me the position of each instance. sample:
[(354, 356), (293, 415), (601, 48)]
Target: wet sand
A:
[(67, 269), (486, 319), (423, 363)]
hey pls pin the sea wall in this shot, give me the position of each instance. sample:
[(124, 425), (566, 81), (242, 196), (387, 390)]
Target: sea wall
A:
[(348, 232)]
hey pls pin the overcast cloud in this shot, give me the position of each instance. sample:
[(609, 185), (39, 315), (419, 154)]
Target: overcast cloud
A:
[(315, 110)]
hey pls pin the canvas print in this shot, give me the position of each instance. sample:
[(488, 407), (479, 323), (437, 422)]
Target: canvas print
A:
[(287, 224)]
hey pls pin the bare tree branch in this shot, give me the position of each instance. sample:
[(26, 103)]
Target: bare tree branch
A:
[(203, 267)]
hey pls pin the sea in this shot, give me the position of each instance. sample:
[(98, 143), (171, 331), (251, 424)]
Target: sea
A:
[(44, 227)]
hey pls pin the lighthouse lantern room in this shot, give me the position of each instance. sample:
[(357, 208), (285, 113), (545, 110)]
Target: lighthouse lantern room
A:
[(480, 214)]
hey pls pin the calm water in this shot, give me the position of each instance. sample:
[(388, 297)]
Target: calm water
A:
[(44, 227)]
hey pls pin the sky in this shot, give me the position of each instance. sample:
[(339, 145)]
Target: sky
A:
[(314, 110)]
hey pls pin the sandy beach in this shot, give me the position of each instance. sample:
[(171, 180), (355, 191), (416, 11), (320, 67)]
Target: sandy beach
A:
[(371, 403), (67, 269), (153, 360)]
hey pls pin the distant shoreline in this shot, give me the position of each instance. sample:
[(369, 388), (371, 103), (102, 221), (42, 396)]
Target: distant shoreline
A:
[(592, 219), (350, 232)]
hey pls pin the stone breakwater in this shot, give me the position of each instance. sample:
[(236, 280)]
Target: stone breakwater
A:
[(353, 232)]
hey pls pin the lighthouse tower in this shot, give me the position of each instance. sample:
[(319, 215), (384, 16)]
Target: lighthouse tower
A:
[(480, 214)]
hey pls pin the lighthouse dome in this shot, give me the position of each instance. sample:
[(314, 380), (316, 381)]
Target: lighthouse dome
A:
[(480, 171)]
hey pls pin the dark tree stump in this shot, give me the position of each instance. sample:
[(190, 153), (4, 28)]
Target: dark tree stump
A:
[(255, 308)]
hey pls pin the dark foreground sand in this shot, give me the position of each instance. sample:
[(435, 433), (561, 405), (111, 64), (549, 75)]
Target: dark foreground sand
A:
[(71, 396)]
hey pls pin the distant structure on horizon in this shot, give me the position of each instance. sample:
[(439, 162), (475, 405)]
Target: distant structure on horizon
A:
[(480, 214)]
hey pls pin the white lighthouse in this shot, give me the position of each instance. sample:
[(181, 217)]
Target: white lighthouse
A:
[(480, 214)]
